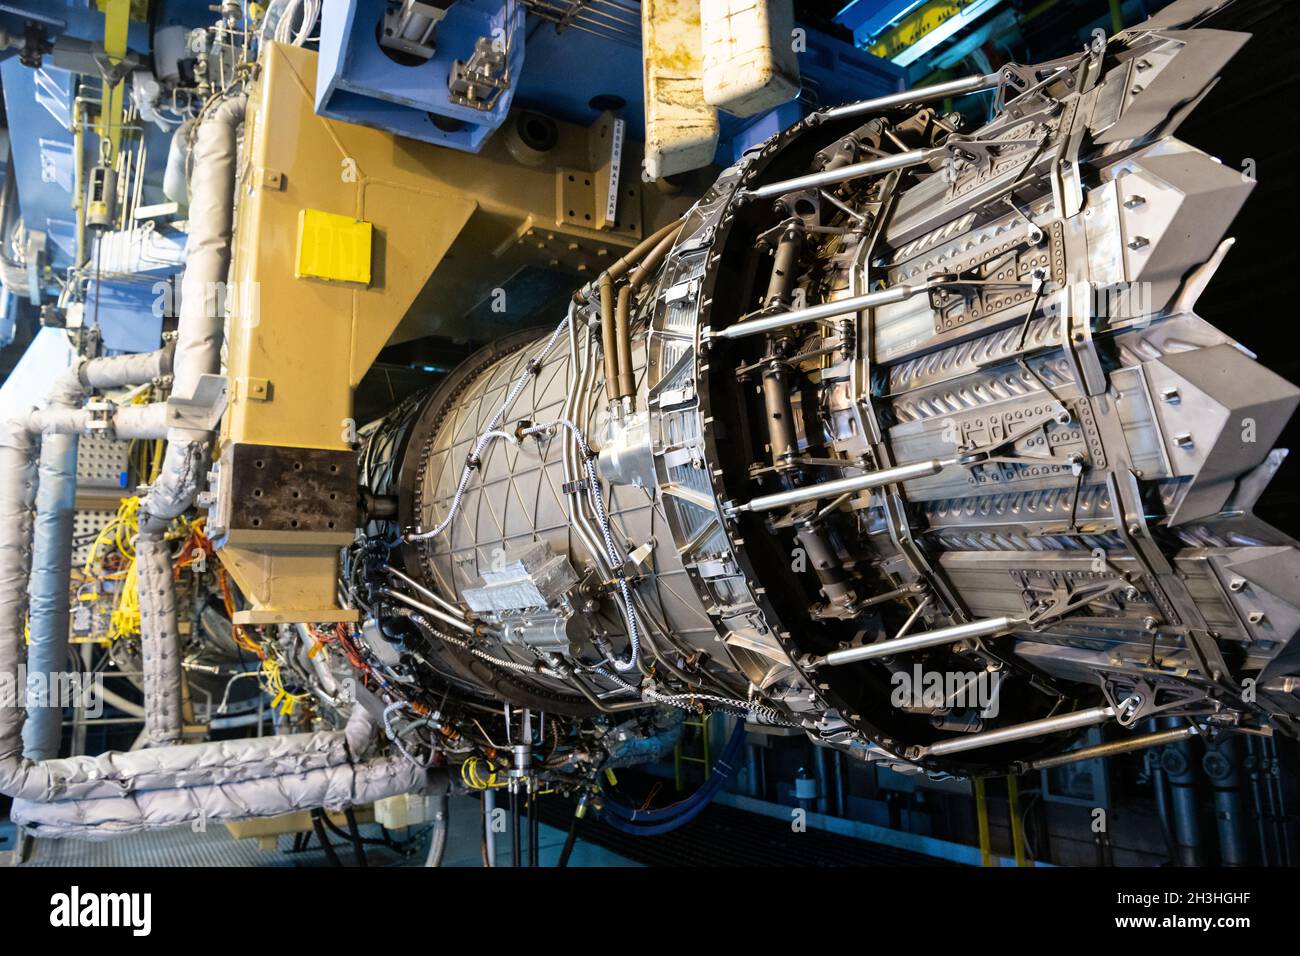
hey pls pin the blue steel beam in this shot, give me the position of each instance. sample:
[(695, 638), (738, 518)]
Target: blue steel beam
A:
[(867, 19)]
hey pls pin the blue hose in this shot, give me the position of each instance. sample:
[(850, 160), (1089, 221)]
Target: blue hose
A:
[(629, 820)]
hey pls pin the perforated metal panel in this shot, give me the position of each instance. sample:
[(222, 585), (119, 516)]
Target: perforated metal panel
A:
[(86, 525), (101, 462)]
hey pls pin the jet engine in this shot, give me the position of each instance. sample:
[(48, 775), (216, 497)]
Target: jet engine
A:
[(907, 436)]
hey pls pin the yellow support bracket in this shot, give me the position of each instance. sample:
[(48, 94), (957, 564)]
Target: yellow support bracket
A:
[(117, 20)]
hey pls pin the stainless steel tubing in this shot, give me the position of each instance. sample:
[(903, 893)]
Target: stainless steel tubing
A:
[(459, 624)]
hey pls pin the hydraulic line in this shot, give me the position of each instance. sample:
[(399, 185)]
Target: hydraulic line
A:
[(620, 266), (478, 652), (534, 828), (623, 317), (515, 822), (623, 342), (571, 838), (459, 624), (608, 336), (432, 596), (318, 825), (912, 157), (655, 822)]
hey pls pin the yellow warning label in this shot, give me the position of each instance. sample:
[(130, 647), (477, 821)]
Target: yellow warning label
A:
[(332, 247)]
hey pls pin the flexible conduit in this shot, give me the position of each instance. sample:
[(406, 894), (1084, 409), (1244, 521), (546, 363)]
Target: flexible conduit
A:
[(635, 822)]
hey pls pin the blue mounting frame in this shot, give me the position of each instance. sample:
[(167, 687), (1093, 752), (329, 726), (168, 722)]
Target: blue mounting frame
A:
[(357, 82)]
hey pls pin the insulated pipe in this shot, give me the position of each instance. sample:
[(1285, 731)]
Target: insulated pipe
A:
[(60, 423), (201, 324), (175, 187), (843, 486), (140, 421), (118, 371), (50, 615), (18, 477), (99, 797), (272, 794), (160, 649), (200, 332), (919, 642), (922, 94), (319, 666), (51, 568), (223, 780)]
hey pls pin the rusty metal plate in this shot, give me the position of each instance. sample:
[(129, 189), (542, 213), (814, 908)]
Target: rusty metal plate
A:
[(275, 488)]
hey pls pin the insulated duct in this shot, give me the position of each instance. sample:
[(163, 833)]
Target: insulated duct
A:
[(160, 648), (202, 319), (56, 511), (115, 793), (198, 353), (62, 421), (56, 508)]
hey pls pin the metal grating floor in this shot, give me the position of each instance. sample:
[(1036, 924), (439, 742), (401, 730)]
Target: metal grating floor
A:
[(216, 847), (720, 836)]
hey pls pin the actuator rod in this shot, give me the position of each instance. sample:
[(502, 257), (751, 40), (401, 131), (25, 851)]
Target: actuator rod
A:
[(841, 174), (922, 94), (1035, 728), (823, 310), (919, 642), (1115, 747), (841, 486)]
